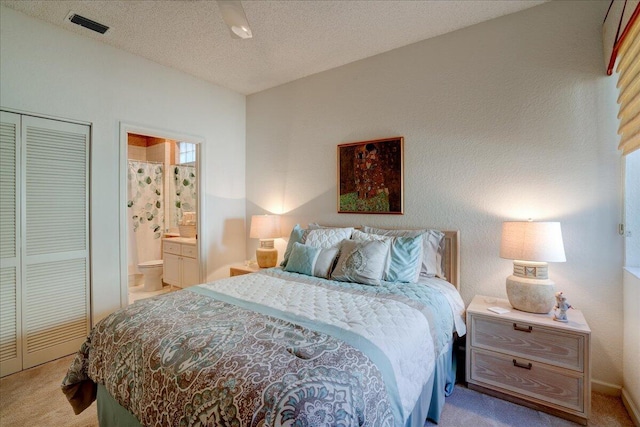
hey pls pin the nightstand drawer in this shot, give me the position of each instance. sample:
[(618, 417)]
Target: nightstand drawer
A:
[(529, 378), (531, 341), (189, 251)]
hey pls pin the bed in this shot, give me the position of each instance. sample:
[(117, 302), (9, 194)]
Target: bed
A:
[(309, 343)]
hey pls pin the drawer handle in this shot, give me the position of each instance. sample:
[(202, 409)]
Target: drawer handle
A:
[(520, 328), (522, 365)]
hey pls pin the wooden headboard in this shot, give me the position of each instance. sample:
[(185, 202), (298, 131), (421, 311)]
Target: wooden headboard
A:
[(452, 257)]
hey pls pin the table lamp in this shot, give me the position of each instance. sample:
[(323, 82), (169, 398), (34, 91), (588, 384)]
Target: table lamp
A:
[(531, 245), (266, 228)]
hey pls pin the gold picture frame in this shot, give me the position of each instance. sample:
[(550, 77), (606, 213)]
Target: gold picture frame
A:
[(370, 176)]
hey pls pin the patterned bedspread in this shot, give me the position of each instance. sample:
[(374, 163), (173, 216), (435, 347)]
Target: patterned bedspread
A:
[(270, 349)]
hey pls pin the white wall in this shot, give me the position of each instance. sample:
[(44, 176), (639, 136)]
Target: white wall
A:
[(48, 70), (508, 119)]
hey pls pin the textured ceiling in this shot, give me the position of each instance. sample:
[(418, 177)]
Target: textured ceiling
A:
[(291, 39)]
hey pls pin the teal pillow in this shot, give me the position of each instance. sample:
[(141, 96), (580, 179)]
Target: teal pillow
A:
[(406, 259), (297, 236), (302, 259)]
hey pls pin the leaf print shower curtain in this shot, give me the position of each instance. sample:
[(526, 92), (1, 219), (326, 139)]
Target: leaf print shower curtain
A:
[(145, 212)]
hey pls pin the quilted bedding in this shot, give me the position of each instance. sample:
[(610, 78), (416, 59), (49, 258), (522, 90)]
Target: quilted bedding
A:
[(270, 349)]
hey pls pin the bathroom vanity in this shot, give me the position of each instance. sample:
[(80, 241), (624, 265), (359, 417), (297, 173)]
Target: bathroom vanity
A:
[(181, 266)]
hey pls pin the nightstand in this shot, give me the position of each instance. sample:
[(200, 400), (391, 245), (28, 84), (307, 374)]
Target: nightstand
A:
[(529, 358), (240, 269)]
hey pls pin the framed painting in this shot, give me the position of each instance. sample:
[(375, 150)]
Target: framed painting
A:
[(370, 175)]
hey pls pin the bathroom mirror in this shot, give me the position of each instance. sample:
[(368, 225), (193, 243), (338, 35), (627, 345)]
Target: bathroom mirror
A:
[(182, 186)]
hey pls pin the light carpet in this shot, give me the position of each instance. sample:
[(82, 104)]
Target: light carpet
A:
[(33, 398)]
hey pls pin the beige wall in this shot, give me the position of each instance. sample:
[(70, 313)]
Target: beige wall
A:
[(509, 119), (48, 70)]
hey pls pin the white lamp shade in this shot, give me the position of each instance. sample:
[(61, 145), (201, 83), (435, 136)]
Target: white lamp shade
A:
[(532, 241), (265, 227)]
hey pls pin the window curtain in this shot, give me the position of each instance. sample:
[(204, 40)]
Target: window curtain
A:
[(628, 70)]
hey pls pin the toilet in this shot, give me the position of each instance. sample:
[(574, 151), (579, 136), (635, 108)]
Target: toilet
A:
[(152, 273)]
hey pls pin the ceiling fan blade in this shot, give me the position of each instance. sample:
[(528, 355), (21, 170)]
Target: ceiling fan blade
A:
[(233, 15)]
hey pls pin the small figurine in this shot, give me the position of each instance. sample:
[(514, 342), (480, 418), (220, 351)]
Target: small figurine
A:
[(563, 306)]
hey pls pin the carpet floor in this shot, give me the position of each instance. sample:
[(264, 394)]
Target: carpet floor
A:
[(469, 408), (32, 398)]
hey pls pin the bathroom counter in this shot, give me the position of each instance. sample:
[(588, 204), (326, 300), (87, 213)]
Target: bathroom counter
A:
[(181, 240)]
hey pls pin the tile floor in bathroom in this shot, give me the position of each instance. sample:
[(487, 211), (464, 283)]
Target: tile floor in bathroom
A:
[(137, 292)]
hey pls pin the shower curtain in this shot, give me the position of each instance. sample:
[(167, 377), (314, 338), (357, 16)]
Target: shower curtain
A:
[(184, 188), (145, 212)]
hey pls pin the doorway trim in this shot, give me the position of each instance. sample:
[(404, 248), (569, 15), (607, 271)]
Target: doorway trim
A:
[(125, 129)]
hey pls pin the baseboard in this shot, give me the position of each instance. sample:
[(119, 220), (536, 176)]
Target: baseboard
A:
[(632, 409), (606, 388)]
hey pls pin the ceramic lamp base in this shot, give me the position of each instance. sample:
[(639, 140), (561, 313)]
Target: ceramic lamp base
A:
[(531, 295), (266, 257)]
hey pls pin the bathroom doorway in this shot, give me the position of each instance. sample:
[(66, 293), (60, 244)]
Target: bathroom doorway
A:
[(160, 211)]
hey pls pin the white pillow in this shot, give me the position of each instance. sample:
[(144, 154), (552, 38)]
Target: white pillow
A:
[(328, 237), (361, 262), (325, 262), (360, 237)]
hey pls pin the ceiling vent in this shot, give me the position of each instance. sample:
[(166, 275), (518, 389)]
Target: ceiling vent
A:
[(87, 23)]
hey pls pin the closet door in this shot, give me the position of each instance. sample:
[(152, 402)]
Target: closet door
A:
[(55, 242), (10, 331)]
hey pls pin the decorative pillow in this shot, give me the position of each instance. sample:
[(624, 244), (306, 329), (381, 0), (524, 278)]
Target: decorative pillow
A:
[(302, 259), (360, 237), (328, 237), (325, 262), (432, 247), (405, 256), (298, 235), (405, 259), (361, 262)]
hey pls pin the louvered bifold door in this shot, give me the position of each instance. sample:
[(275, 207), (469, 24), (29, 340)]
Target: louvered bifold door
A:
[(10, 331), (55, 244)]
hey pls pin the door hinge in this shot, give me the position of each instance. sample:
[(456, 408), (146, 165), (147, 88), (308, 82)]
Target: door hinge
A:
[(621, 229)]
